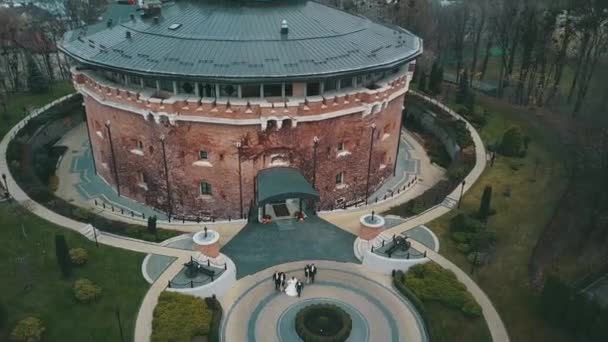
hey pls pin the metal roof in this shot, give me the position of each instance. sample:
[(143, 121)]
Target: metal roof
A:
[(277, 184), (241, 40)]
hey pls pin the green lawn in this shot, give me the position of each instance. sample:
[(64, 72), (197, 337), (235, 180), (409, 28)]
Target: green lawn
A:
[(27, 254), (50, 297), (16, 103), (518, 222)]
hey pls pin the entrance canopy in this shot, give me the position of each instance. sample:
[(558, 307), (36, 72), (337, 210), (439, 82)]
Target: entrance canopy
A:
[(280, 183)]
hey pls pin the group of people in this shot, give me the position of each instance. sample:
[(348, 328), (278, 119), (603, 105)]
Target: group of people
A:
[(293, 287)]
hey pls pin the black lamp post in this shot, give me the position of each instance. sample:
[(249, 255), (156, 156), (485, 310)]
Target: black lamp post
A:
[(113, 157), (169, 204), (239, 147), (315, 145), (461, 192), (369, 161)]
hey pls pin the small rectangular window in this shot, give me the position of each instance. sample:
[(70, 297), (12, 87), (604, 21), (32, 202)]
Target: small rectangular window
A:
[(140, 144), (313, 89), (288, 89), (273, 90), (340, 146), (346, 83), (207, 89), (203, 155), (250, 90), (205, 188), (330, 85), (227, 90), (149, 83), (340, 178), (142, 178), (166, 85)]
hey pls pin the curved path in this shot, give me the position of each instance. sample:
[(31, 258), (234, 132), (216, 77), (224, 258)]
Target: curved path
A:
[(256, 312), (343, 219)]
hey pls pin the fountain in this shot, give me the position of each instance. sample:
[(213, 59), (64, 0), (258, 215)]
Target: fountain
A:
[(370, 226), (207, 242)]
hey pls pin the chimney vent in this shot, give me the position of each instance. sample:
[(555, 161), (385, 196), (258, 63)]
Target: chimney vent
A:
[(284, 28), (128, 34), (132, 17), (155, 20), (109, 22)]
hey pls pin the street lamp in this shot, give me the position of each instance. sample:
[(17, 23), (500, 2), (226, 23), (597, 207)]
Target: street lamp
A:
[(239, 146), (162, 143), (315, 144), (369, 161), (461, 192), (113, 157)]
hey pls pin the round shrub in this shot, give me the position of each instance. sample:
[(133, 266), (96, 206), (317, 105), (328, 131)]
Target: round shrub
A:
[(79, 256), (86, 291), (512, 142), (29, 329), (323, 323)]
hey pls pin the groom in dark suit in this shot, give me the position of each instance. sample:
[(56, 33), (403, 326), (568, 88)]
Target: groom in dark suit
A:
[(299, 287), (313, 273), (277, 281)]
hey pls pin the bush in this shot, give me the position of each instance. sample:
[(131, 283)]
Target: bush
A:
[(180, 317), (431, 282), (464, 223), (3, 315), (86, 291), (461, 237), (327, 312), (79, 256), (29, 329), (463, 247), (512, 142)]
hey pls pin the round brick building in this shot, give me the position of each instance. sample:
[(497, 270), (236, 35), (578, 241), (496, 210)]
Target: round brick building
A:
[(188, 101)]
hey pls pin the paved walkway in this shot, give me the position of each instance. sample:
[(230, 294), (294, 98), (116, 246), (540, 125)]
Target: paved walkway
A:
[(254, 311)]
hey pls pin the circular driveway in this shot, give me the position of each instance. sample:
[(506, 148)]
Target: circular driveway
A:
[(254, 311)]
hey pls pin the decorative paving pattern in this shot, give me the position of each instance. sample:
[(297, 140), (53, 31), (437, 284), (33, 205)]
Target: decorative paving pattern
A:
[(256, 312)]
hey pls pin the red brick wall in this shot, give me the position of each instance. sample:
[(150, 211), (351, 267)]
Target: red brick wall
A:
[(184, 140)]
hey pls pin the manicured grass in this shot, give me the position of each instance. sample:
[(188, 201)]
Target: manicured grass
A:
[(50, 297), (518, 222), (16, 102), (450, 325)]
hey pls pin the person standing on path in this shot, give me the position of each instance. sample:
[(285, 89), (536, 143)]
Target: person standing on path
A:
[(277, 282), (307, 273), (281, 281), (299, 287), (313, 273)]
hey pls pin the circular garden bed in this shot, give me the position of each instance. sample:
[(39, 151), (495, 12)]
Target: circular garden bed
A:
[(323, 323)]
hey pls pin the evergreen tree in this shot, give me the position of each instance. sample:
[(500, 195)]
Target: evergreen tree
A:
[(484, 207), (36, 81), (152, 224), (463, 88), (62, 252), (422, 84), (470, 103), (436, 78)]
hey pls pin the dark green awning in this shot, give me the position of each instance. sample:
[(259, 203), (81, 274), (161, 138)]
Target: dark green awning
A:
[(280, 183)]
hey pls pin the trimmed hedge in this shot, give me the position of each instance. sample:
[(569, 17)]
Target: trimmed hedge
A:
[(431, 282), (317, 309), (30, 329), (400, 286), (178, 317)]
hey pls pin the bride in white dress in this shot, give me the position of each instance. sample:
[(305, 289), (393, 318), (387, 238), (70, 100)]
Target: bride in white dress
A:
[(291, 290)]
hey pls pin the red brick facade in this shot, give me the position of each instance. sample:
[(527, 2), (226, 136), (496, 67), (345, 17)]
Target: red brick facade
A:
[(139, 156)]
